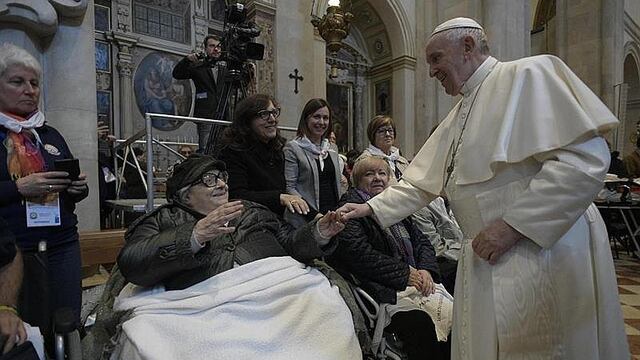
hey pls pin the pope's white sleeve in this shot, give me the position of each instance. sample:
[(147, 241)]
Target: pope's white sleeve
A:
[(560, 192), (397, 202)]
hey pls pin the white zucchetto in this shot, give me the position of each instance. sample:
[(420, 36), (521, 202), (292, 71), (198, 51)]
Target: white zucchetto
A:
[(456, 23)]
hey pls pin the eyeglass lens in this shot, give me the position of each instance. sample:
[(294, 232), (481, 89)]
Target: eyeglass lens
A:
[(210, 179), (264, 114), (385, 130)]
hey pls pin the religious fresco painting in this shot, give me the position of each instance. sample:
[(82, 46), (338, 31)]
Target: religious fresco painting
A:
[(156, 91), (338, 97), (382, 91), (103, 56)]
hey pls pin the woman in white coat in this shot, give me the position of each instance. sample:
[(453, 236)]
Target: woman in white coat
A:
[(312, 168)]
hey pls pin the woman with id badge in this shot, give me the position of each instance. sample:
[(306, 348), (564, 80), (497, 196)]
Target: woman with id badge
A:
[(38, 199)]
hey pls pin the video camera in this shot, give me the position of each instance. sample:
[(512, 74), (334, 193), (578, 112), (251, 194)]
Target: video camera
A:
[(236, 41)]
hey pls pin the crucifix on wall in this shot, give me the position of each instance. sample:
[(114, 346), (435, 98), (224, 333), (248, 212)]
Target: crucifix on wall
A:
[(296, 77)]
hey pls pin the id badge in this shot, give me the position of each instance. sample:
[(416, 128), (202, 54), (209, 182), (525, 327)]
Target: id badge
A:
[(202, 95), (43, 214)]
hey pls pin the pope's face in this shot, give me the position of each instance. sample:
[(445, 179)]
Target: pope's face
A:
[(447, 63)]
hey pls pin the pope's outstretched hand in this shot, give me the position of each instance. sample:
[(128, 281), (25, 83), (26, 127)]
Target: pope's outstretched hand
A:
[(353, 211)]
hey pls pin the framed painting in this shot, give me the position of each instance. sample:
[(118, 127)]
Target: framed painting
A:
[(382, 90), (156, 91), (340, 99), (102, 17), (103, 56)]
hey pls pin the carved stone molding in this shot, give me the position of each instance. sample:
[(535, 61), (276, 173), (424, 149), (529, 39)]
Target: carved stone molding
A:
[(39, 17), (125, 44), (123, 12)]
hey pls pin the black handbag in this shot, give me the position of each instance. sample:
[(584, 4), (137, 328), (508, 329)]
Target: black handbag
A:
[(26, 351)]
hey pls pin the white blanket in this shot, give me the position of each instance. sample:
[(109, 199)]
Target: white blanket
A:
[(273, 308)]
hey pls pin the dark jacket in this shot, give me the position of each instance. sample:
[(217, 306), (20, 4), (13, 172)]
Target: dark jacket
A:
[(12, 207), (256, 173), (158, 246), (207, 91), (365, 251), (7, 245)]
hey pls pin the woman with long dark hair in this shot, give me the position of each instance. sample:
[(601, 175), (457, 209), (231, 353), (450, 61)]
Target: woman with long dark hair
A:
[(253, 154)]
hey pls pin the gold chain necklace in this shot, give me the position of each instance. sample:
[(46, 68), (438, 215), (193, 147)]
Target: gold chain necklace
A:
[(456, 144)]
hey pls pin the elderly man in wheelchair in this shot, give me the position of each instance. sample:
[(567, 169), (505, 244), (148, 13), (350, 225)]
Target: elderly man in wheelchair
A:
[(209, 278)]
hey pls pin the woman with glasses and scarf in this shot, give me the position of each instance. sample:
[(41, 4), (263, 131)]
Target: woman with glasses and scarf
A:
[(382, 135), (312, 167), (253, 154), (30, 186)]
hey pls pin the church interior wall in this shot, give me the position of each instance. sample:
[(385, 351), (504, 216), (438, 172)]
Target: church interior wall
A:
[(296, 48)]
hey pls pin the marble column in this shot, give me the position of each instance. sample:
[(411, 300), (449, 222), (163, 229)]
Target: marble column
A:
[(70, 102), (612, 65), (507, 24), (125, 44), (403, 108), (359, 121)]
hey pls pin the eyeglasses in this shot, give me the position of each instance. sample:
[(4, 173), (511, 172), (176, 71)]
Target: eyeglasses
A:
[(265, 114), (210, 179), (384, 131)]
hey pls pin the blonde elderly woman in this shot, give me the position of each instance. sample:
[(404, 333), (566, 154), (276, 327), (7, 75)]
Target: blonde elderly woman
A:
[(434, 220), (312, 166), (395, 266)]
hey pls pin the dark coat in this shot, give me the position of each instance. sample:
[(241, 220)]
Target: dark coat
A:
[(256, 173), (207, 90), (365, 251), (158, 246)]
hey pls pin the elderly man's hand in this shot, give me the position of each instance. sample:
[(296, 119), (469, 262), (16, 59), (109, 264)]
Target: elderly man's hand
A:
[(330, 224), (350, 211), (213, 224), (12, 330), (495, 240)]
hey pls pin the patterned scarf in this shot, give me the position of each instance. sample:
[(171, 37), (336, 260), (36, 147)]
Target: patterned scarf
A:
[(391, 158), (398, 234), (321, 151), (23, 147)]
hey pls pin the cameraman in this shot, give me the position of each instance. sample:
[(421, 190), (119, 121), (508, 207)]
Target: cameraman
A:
[(206, 74)]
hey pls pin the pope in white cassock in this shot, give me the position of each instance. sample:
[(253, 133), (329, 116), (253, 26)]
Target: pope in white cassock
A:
[(520, 158)]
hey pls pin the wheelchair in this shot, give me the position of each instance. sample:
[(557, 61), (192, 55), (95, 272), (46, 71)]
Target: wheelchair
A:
[(61, 336), (384, 345)]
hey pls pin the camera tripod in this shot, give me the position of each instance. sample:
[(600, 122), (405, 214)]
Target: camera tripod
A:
[(234, 89)]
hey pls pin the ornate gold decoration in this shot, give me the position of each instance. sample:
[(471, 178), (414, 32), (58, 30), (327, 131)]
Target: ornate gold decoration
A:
[(333, 27)]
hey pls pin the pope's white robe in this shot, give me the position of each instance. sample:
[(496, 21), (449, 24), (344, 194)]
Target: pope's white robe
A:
[(532, 155)]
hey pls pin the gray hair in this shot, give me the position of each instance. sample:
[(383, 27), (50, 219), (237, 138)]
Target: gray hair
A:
[(12, 55), (477, 34)]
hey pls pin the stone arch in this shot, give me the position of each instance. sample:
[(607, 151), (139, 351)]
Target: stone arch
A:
[(631, 77)]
